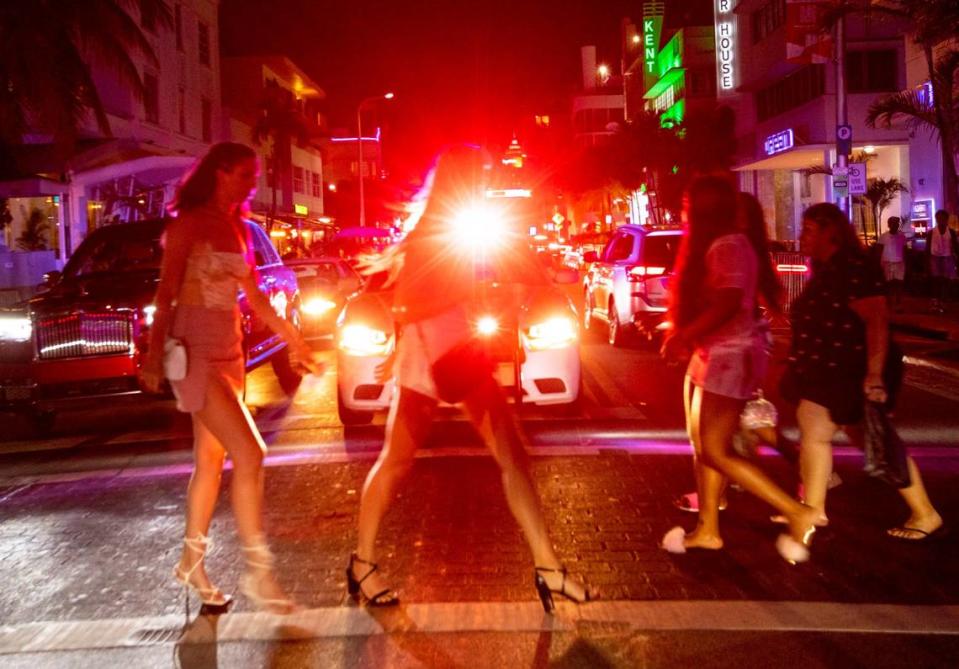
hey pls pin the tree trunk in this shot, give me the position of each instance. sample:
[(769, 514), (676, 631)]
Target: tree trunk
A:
[(273, 166), (950, 181)]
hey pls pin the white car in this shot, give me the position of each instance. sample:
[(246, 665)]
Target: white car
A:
[(536, 350)]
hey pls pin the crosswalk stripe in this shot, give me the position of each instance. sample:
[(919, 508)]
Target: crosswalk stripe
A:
[(467, 617)]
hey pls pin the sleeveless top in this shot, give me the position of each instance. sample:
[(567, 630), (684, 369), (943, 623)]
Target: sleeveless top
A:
[(212, 278)]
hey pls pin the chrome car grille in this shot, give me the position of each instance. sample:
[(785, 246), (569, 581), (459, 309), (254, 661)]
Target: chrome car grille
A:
[(84, 334)]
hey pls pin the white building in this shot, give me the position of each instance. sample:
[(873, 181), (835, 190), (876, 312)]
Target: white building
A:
[(130, 175)]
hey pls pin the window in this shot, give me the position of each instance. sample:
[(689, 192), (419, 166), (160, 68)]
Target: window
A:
[(206, 120), (661, 250), (317, 185), (873, 71), (151, 98), (790, 92), (178, 26), (181, 110), (148, 16), (620, 248), (263, 248), (298, 180), (767, 19), (203, 42)]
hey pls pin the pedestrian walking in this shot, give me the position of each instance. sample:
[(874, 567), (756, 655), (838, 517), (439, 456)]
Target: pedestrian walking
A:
[(208, 257), (893, 244), (942, 248), (434, 280), (841, 356), (714, 317)]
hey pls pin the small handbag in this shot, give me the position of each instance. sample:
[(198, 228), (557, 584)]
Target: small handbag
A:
[(758, 413), (174, 359), (461, 370), (886, 457)]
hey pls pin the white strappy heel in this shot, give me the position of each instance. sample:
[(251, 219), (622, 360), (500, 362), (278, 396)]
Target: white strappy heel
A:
[(259, 562), (210, 597)]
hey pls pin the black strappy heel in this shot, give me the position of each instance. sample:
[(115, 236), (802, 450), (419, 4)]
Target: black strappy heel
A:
[(546, 593), (383, 598)]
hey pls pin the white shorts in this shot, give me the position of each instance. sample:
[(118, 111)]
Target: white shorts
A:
[(423, 343), (732, 370), (894, 271)]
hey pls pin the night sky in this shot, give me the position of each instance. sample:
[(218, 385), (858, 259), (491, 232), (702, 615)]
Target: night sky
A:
[(461, 70)]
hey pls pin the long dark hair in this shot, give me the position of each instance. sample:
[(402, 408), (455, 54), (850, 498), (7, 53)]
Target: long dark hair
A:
[(831, 219), (710, 209), (197, 186), (754, 227)]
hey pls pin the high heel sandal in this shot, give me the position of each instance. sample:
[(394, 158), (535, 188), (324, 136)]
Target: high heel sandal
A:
[(793, 551), (546, 593), (211, 598), (385, 597), (259, 563)]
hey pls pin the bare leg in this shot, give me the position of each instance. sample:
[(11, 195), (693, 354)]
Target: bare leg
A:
[(409, 421), (202, 492), (232, 426), (710, 482), (692, 429), (490, 416), (815, 459), (716, 434)]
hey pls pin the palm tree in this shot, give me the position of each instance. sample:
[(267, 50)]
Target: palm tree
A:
[(47, 48), (281, 123), (881, 193), (933, 22)]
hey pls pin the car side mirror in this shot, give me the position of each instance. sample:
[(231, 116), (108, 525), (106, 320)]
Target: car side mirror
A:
[(50, 279), (566, 276), (590, 256)]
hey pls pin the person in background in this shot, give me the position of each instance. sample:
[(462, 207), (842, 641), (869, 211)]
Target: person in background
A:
[(893, 244), (839, 359), (714, 316), (942, 248)]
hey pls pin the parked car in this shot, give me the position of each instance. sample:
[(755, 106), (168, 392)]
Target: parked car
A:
[(325, 283), (536, 350), (627, 284), (84, 337)]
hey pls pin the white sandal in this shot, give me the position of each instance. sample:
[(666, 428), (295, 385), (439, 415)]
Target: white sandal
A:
[(259, 562), (210, 597)]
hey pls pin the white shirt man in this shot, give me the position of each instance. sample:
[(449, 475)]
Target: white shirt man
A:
[(893, 251)]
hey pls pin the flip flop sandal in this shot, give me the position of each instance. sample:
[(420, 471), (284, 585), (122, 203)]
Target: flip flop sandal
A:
[(937, 533), (690, 503)]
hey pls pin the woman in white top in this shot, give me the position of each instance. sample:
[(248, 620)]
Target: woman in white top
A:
[(714, 317)]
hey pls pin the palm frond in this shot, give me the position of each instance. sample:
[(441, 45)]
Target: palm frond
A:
[(906, 107)]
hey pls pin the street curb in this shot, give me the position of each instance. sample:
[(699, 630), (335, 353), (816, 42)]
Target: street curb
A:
[(922, 331)]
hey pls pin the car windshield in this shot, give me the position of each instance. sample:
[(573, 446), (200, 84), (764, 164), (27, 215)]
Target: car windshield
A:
[(323, 271), (115, 251), (660, 250)]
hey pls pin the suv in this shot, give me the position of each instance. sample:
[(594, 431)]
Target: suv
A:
[(627, 285), (83, 338)]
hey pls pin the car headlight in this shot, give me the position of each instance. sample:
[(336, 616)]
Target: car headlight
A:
[(15, 328), (558, 332), (479, 227), (149, 312), (317, 306), (360, 340), (487, 325)]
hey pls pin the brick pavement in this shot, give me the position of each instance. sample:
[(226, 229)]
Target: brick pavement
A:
[(103, 548)]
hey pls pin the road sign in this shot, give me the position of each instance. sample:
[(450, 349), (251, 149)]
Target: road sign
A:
[(844, 139), (840, 180), (857, 178)]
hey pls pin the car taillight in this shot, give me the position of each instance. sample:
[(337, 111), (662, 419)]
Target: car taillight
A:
[(783, 268), (360, 340), (558, 332), (641, 272)]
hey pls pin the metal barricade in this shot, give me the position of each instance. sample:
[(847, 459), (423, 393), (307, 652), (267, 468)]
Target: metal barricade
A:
[(793, 271)]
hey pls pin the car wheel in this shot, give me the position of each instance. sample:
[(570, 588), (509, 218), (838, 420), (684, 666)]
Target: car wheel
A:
[(617, 334), (349, 416), (41, 422)]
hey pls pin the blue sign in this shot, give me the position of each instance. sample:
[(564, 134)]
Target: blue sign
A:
[(924, 95), (843, 140), (779, 142), (923, 210)]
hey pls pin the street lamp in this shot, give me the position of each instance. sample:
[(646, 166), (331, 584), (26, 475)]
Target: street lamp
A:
[(604, 73), (359, 143)]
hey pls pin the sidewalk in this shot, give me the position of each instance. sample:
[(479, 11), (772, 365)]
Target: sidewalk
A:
[(915, 318)]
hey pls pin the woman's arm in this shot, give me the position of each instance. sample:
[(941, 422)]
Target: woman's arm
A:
[(177, 240), (723, 306), (874, 313), (302, 353)]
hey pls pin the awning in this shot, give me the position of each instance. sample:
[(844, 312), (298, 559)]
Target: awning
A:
[(799, 158), (32, 187)]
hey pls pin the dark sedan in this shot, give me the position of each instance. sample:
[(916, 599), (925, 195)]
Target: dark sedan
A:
[(83, 339), (325, 283)]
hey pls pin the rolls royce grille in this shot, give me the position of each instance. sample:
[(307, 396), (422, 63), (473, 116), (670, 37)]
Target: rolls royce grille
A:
[(84, 334)]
